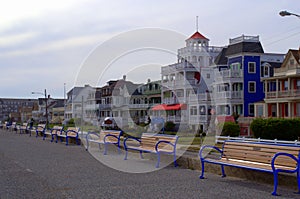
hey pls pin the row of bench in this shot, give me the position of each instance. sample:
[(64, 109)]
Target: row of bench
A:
[(259, 156), (57, 132), (150, 143)]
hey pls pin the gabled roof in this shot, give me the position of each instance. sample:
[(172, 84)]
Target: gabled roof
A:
[(291, 52), (296, 54), (197, 35)]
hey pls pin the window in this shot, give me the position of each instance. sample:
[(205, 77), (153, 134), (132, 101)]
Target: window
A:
[(251, 67), (207, 75), (251, 87), (235, 66), (193, 110), (286, 85), (298, 84), (202, 110), (251, 109)]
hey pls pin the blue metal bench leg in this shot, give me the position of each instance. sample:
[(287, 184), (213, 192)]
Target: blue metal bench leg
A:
[(158, 160), (175, 163), (223, 171), (275, 183), (119, 149), (126, 153), (67, 141), (298, 181), (99, 145), (105, 149), (141, 154), (202, 170)]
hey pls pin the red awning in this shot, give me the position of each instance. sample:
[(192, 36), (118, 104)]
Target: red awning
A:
[(166, 107)]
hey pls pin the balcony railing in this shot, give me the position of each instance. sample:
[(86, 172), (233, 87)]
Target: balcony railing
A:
[(224, 74), (228, 94), (199, 97), (196, 119), (283, 94)]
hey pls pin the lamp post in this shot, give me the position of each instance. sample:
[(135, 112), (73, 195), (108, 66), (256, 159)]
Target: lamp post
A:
[(46, 103), (286, 13)]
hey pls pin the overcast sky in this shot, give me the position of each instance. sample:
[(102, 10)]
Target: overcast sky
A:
[(43, 44)]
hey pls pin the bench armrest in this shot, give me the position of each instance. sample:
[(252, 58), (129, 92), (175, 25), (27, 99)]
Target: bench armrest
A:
[(209, 146), (111, 135), (130, 138), (166, 142), (287, 155)]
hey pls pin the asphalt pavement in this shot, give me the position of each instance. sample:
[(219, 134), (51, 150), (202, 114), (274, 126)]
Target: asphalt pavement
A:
[(33, 168)]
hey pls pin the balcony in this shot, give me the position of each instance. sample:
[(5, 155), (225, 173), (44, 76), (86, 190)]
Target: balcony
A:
[(196, 119), (228, 74), (228, 95), (199, 97), (283, 94), (172, 100)]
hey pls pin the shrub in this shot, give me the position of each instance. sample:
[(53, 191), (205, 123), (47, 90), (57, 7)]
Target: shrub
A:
[(169, 126), (230, 129), (276, 128)]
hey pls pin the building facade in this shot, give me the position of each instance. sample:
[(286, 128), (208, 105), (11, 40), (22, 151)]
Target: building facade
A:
[(238, 72), (186, 84), (282, 99)]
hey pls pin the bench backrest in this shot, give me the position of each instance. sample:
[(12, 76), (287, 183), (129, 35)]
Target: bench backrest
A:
[(40, 127), (260, 152), (149, 141), (76, 129), (56, 130), (103, 133)]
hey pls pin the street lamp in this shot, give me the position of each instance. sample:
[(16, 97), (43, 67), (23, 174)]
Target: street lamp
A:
[(286, 13), (46, 101)]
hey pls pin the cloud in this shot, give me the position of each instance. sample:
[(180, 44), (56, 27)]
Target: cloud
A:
[(16, 39)]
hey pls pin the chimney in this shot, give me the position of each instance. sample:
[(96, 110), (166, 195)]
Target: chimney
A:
[(124, 77)]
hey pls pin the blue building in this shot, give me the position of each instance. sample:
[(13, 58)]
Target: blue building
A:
[(238, 72)]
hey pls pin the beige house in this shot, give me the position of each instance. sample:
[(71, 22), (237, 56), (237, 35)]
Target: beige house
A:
[(282, 91)]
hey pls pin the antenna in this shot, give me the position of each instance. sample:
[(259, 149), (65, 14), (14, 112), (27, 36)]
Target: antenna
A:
[(197, 23)]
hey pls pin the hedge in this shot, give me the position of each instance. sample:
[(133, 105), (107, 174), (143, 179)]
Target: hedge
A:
[(229, 129), (276, 128)]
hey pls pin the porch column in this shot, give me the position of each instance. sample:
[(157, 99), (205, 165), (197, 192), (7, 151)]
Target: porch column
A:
[(289, 110), (277, 110), (277, 88)]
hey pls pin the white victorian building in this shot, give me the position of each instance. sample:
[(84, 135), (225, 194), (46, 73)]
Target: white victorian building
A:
[(186, 85)]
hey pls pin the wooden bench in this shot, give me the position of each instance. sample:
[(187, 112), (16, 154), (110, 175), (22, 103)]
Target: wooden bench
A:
[(52, 132), (12, 126), (24, 128), (153, 143), (71, 132), (105, 137), (259, 156), (39, 129)]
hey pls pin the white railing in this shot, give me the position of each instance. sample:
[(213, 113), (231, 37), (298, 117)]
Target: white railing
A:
[(196, 119), (221, 139), (199, 97), (228, 94), (228, 74), (282, 94)]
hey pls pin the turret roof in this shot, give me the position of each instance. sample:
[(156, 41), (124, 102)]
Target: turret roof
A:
[(197, 35)]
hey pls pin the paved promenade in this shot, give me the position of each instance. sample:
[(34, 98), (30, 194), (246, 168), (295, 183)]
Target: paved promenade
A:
[(33, 168)]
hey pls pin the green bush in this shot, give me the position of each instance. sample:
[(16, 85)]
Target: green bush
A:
[(230, 129), (276, 128), (169, 126)]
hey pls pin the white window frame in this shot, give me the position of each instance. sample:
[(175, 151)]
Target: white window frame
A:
[(252, 72), (249, 87)]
